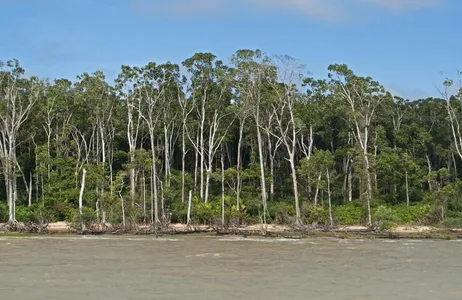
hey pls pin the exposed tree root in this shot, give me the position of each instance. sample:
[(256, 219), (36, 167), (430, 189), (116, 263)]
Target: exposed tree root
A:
[(28, 227)]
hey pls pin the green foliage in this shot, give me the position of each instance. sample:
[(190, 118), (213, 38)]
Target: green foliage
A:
[(385, 217), (411, 214), (453, 223), (315, 214), (205, 213), (281, 212), (35, 214), (353, 213), (3, 212), (70, 123), (87, 218)]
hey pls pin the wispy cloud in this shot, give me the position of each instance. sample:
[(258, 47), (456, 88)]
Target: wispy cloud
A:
[(319, 9), (404, 5), (330, 10)]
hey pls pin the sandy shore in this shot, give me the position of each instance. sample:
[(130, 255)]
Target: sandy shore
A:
[(270, 229)]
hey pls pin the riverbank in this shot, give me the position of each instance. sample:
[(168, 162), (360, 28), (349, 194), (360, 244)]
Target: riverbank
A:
[(269, 230)]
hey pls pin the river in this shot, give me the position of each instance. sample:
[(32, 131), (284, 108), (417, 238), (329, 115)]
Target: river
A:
[(222, 268)]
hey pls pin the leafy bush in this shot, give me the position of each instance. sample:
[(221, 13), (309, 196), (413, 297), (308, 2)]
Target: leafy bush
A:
[(411, 214), (350, 214), (35, 214), (3, 212), (452, 222), (179, 211), (281, 212), (385, 217), (24, 214), (204, 213), (87, 218), (315, 214)]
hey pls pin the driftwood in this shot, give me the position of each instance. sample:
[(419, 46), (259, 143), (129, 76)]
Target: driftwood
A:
[(28, 227)]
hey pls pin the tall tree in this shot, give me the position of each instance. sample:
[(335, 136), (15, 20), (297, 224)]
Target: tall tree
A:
[(17, 97), (363, 96)]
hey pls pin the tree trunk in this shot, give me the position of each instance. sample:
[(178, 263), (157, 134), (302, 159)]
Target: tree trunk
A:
[(429, 173), (223, 189), (369, 189), (82, 189), (196, 161), (207, 181), (162, 203), (154, 179), (132, 180), (262, 171), (329, 198), (122, 207), (152, 196), (316, 193), (188, 216), (238, 171), (183, 158), (271, 162), (144, 196), (407, 189), (350, 184), (202, 148), (295, 187), (30, 190)]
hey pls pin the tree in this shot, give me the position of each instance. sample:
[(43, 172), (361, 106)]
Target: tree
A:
[(254, 72), (363, 96), (17, 97), (287, 125), (210, 87)]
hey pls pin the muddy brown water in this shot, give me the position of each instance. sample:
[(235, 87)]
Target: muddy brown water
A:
[(223, 268)]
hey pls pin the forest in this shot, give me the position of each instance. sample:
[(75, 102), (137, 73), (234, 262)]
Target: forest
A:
[(247, 140)]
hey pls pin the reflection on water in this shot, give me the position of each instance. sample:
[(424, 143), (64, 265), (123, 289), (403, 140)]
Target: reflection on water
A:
[(191, 268)]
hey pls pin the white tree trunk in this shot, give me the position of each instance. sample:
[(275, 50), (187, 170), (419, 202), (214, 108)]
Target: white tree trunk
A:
[(183, 158), (154, 178), (369, 190), (188, 216), (316, 193), (30, 190), (144, 196), (223, 189), (82, 189), (407, 189), (122, 207), (238, 170), (329, 198), (262, 171)]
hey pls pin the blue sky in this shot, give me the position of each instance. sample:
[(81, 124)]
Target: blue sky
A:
[(408, 45)]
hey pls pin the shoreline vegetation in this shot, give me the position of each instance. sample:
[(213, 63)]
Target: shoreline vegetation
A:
[(259, 230), (253, 139)]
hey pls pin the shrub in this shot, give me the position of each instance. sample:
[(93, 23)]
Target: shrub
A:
[(385, 217), (453, 222), (350, 214), (3, 212), (204, 213), (411, 214), (87, 218), (281, 212), (316, 214), (179, 211)]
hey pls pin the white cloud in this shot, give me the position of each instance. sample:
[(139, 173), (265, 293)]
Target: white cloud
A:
[(319, 9), (403, 5), (331, 10)]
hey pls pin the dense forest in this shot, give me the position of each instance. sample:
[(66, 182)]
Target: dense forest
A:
[(249, 140)]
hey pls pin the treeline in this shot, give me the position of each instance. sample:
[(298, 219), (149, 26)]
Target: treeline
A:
[(249, 140)]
